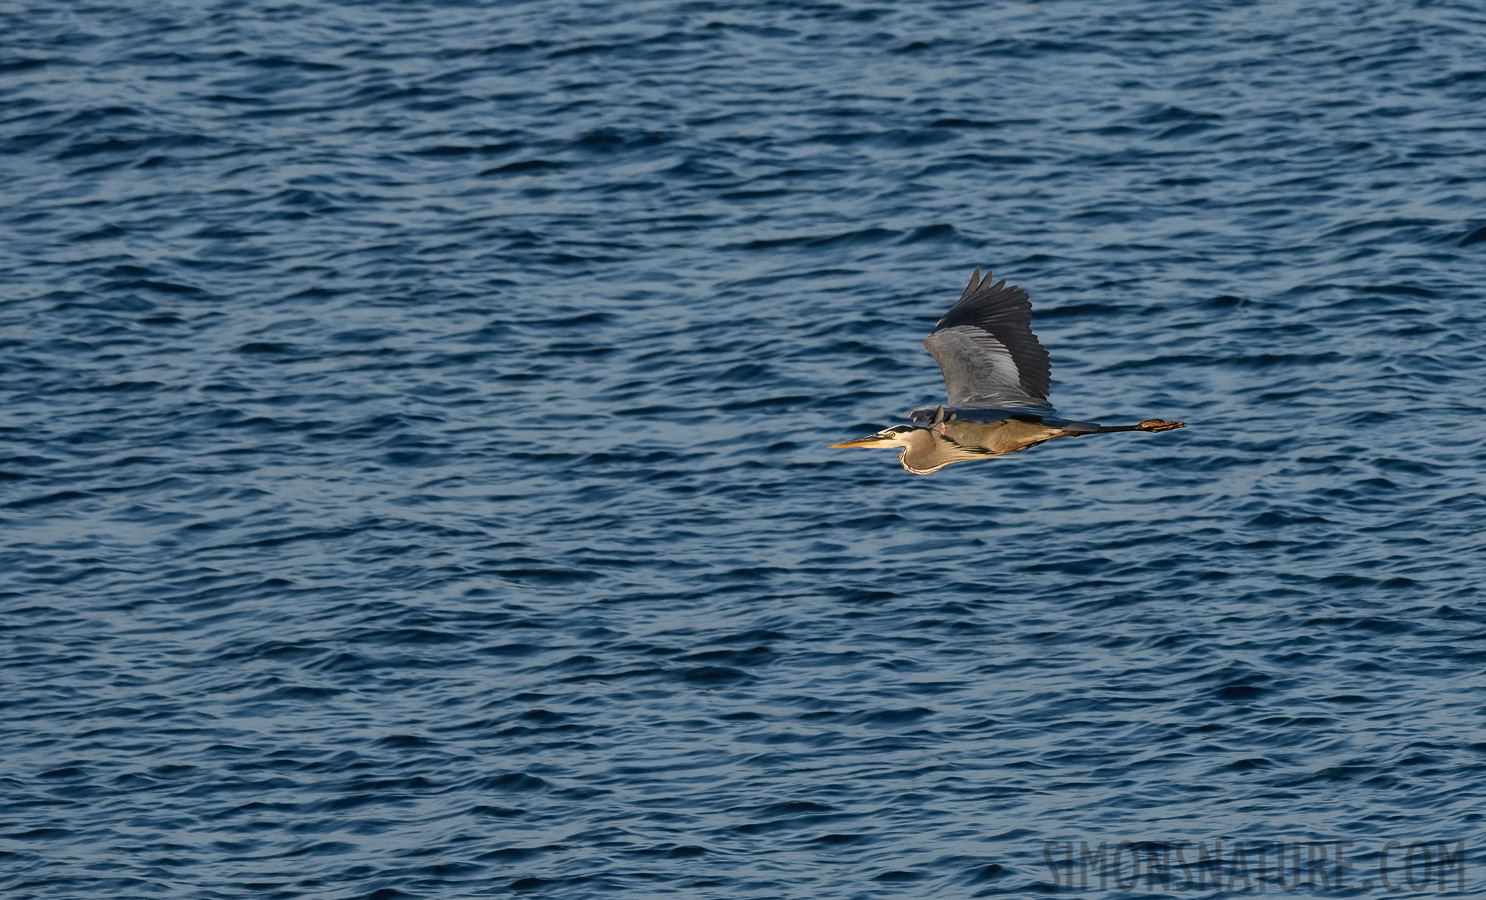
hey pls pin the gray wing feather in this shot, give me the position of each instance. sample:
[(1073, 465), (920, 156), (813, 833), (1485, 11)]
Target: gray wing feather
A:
[(986, 350)]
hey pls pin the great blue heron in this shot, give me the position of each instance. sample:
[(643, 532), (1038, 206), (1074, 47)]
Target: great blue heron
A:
[(996, 374)]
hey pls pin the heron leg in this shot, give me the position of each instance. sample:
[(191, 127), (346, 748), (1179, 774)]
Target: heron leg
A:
[(1147, 425)]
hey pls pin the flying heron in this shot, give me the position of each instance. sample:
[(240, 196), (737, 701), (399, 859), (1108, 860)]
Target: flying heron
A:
[(996, 374)]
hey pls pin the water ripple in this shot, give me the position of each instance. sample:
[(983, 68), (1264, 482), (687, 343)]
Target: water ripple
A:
[(413, 454)]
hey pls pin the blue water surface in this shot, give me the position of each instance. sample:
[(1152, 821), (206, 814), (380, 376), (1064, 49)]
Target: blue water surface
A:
[(413, 422)]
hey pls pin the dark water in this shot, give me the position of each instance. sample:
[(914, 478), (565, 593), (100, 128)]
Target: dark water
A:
[(413, 460)]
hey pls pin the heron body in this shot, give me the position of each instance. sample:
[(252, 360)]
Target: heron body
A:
[(996, 375)]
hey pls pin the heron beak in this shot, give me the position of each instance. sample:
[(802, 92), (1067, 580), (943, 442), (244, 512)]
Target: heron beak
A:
[(881, 439)]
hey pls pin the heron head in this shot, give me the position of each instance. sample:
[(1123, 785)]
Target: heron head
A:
[(896, 436)]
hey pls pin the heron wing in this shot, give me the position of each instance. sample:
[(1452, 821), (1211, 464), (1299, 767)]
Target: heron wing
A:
[(986, 350)]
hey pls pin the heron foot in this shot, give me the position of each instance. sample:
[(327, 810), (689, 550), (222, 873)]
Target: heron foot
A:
[(1159, 425)]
